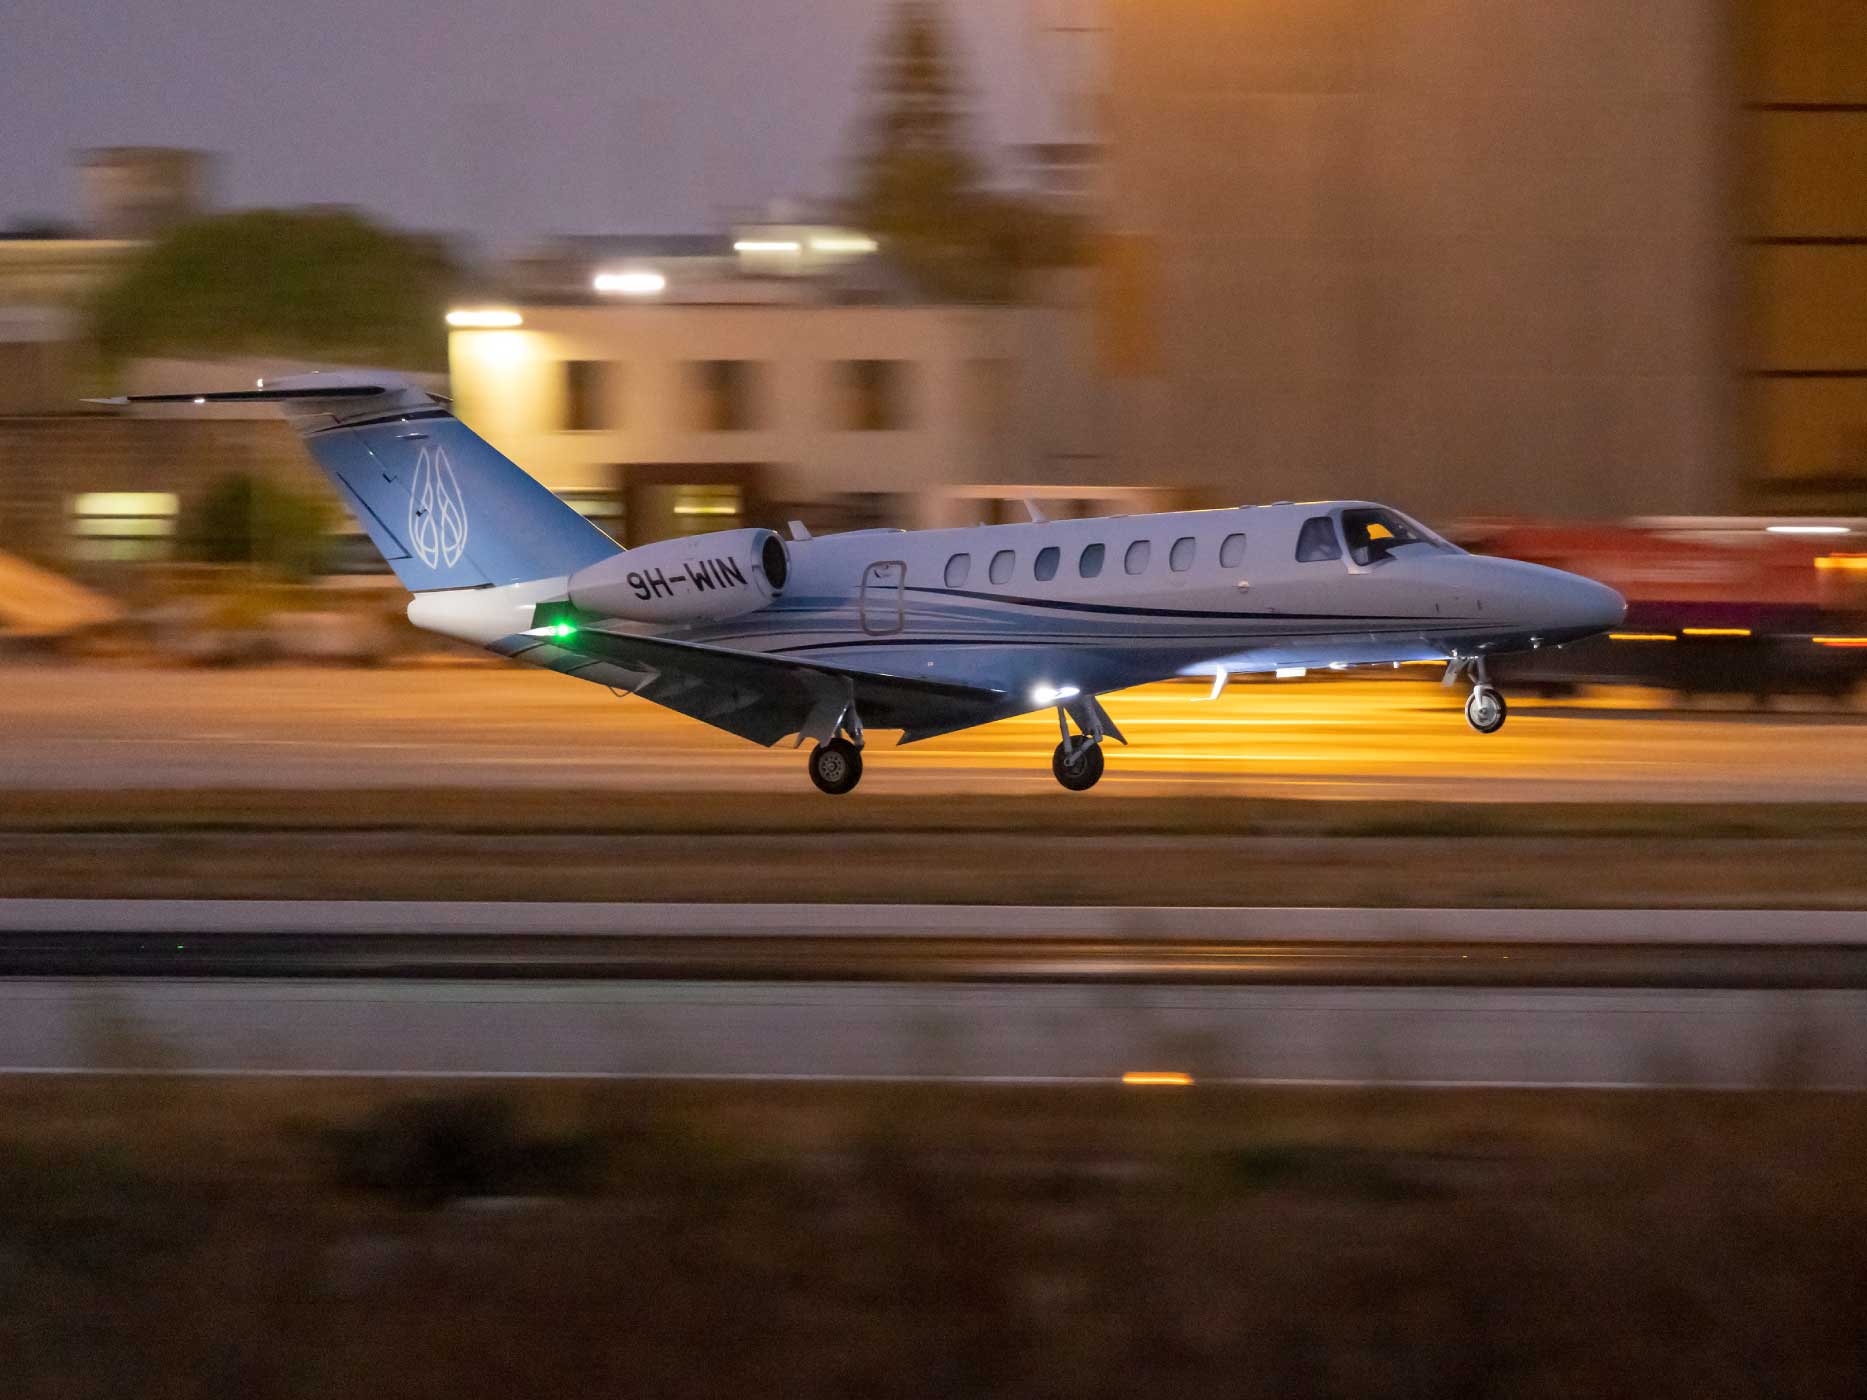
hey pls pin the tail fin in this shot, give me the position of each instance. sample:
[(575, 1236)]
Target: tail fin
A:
[(442, 505)]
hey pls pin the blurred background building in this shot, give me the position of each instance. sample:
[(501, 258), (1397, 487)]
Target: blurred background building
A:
[(1528, 258)]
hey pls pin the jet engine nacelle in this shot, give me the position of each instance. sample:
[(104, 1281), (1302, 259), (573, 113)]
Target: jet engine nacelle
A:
[(704, 578)]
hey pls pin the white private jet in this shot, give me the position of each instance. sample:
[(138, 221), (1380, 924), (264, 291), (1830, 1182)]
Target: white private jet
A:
[(924, 631)]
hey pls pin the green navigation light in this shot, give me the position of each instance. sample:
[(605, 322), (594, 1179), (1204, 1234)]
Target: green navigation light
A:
[(564, 629)]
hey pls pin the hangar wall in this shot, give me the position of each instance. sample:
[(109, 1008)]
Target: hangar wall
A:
[(1464, 255)]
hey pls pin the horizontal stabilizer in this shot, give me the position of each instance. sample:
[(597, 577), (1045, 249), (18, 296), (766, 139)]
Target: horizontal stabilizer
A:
[(281, 395)]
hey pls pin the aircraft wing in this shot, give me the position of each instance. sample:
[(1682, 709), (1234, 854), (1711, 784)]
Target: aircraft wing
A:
[(763, 697)]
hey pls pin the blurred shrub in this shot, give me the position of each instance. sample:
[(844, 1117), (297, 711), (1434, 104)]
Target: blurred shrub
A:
[(313, 283), (246, 519), (429, 1151)]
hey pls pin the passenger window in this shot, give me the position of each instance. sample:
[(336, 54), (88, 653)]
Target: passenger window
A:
[(1317, 542), (1232, 552), (956, 570), (1180, 557), (1000, 572), (1091, 562), (1045, 569), (1135, 560)]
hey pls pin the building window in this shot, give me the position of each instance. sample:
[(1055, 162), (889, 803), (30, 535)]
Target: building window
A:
[(727, 394), (873, 396), (1091, 562), (1002, 563), (1232, 552), (1317, 542), (603, 509), (1045, 569), (1135, 560), (699, 509), (1180, 557), (589, 396), (116, 527), (957, 568)]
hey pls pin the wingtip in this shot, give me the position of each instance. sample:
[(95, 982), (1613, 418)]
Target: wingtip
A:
[(118, 402)]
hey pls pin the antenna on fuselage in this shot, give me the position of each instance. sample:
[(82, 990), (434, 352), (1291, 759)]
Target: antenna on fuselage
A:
[(1036, 511)]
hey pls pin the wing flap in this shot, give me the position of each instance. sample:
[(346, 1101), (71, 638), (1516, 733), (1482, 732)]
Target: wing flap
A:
[(763, 697)]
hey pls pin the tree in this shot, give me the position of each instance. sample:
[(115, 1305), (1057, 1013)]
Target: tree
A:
[(314, 283), (916, 186), (244, 519)]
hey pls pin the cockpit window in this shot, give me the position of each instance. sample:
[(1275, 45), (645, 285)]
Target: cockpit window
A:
[(1374, 533), (1316, 541)]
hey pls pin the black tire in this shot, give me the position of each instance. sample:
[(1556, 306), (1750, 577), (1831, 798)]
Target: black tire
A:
[(836, 767), (1078, 772), (1485, 709)]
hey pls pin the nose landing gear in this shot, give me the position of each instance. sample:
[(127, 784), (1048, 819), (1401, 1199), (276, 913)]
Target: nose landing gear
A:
[(1485, 709)]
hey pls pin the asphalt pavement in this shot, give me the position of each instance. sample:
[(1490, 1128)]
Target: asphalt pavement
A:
[(104, 726)]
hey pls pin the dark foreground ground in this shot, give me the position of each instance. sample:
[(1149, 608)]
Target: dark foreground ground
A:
[(347, 1238)]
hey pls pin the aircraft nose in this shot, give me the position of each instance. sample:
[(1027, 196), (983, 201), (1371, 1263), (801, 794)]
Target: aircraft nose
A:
[(1591, 606)]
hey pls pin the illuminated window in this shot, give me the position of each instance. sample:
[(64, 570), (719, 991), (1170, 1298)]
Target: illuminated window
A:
[(1232, 552), (1316, 542), (1180, 557), (603, 509), (874, 395), (1045, 569), (699, 509), (1135, 560), (114, 527), (727, 393), (589, 396), (957, 568), (1002, 563), (1091, 562)]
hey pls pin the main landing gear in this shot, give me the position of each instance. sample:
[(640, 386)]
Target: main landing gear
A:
[(836, 762), (1485, 709), (1077, 760), (836, 767)]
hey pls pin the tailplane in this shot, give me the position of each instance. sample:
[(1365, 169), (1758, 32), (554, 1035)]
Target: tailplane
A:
[(444, 507)]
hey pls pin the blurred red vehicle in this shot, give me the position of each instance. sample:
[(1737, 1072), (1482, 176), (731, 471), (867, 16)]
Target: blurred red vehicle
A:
[(1719, 605)]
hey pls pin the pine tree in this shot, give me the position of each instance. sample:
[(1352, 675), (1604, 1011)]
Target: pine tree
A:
[(917, 187)]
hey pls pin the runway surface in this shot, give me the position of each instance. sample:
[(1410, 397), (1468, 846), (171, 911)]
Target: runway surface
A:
[(998, 961), (206, 987), (1108, 923), (111, 727)]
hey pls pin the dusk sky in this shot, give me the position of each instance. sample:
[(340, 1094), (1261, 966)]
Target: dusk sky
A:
[(500, 117)]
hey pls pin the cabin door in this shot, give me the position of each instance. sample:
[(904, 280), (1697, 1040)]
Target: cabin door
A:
[(881, 598)]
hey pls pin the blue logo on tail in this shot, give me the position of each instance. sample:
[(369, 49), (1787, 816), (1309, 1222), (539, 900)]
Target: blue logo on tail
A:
[(437, 511)]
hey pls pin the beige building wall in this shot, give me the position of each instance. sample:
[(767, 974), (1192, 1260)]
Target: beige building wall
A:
[(979, 408), (1469, 256)]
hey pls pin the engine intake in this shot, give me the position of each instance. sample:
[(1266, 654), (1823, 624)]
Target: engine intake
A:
[(704, 578)]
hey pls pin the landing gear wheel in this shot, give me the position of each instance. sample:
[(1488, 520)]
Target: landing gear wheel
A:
[(836, 767), (1485, 709), (1077, 764)]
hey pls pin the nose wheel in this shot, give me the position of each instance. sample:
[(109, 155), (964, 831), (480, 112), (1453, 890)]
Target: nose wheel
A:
[(1485, 709)]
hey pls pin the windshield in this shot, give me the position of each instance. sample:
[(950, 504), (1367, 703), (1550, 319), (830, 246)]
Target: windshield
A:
[(1374, 532)]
